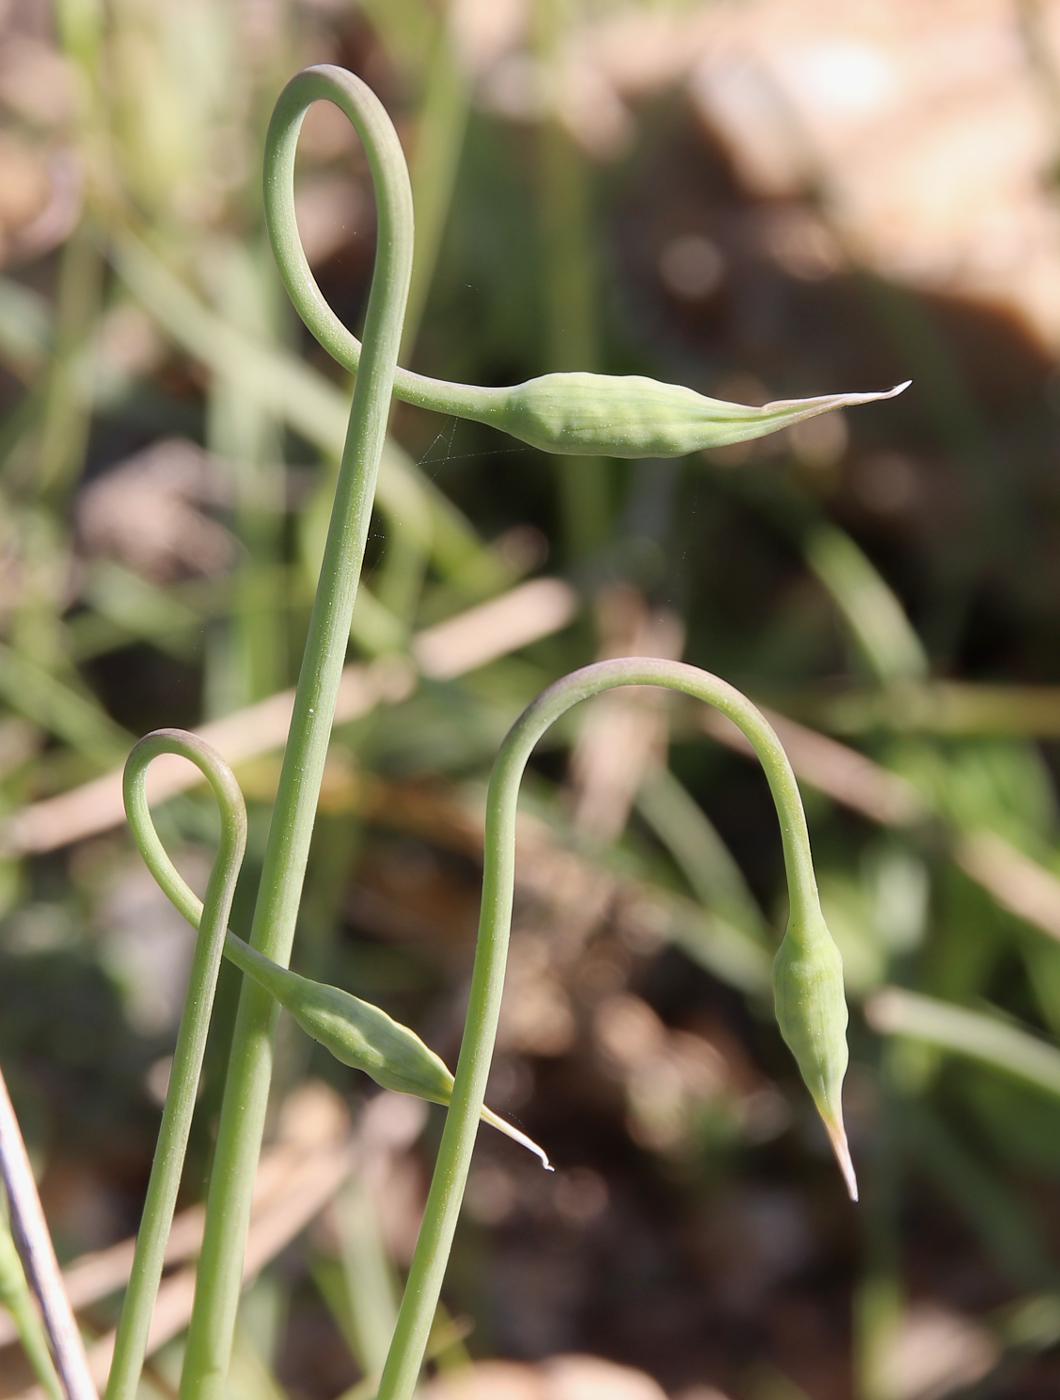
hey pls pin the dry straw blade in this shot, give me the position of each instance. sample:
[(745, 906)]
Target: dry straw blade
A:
[(837, 1136)]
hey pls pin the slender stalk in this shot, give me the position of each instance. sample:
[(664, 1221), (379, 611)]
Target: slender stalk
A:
[(342, 345), (38, 1255), (17, 1297), (311, 405), (356, 1032), (418, 1306), (130, 1344), (246, 1090), (577, 414)]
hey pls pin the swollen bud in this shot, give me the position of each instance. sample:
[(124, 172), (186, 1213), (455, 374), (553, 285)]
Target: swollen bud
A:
[(600, 415), (362, 1036), (812, 1015)]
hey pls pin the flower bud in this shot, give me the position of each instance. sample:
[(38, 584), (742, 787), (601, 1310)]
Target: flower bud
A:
[(600, 415), (362, 1036), (812, 1015)]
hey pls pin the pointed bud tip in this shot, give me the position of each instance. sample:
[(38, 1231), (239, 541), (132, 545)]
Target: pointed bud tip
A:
[(875, 395), (838, 1138), (509, 1130), (539, 1152)]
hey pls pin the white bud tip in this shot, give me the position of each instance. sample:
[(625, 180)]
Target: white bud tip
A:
[(503, 1126), (531, 1146), (874, 395), (838, 1138)]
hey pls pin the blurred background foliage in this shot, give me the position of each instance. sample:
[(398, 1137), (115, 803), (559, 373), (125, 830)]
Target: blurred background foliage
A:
[(766, 199)]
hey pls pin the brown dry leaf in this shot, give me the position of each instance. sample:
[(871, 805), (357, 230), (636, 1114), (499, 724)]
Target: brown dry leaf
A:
[(666, 1075), (147, 513), (931, 128), (37, 84), (925, 125), (936, 1352), (24, 192), (329, 208), (632, 721), (562, 1378)]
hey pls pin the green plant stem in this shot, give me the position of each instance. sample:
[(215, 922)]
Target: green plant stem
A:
[(247, 1084), (574, 414), (443, 396), (418, 1306), (17, 1297), (211, 918), (310, 404)]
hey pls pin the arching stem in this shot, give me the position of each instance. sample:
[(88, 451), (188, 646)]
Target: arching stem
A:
[(418, 1306)]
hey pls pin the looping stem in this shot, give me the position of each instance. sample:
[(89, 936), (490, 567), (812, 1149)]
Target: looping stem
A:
[(443, 396), (243, 1110), (545, 413), (210, 917), (418, 1306)]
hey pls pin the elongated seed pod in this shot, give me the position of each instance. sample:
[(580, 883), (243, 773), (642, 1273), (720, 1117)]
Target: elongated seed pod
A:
[(363, 1036), (630, 416), (812, 1015), (357, 1033), (572, 414)]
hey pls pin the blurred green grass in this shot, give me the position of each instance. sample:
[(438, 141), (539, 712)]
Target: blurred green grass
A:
[(145, 317)]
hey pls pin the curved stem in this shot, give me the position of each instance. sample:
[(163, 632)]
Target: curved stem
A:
[(443, 396), (211, 919), (476, 1052), (356, 1032), (573, 414), (247, 1085)]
